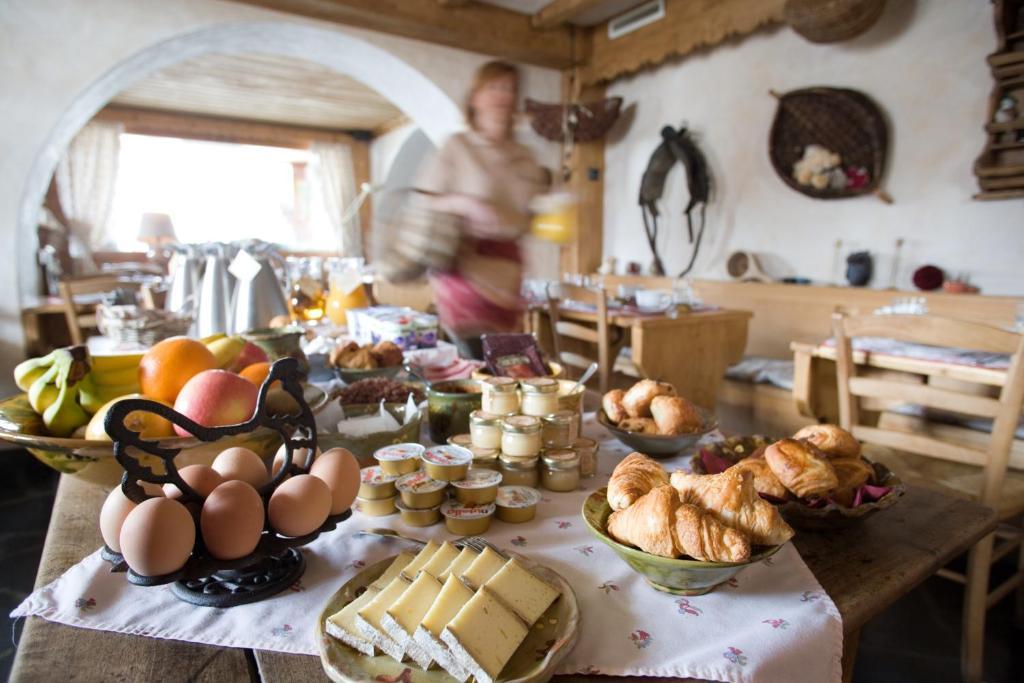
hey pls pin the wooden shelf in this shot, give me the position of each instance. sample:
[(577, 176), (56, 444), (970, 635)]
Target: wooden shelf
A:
[(993, 195)]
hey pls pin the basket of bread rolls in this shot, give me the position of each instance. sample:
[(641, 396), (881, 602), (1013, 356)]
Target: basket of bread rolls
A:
[(685, 533), (652, 418), (819, 478), (352, 362)]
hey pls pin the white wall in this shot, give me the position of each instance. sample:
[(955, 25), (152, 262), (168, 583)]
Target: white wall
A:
[(924, 63), (51, 51)]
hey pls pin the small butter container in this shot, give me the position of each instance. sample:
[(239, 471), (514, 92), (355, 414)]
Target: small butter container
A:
[(467, 520), (478, 488), (376, 508), (447, 463), (375, 485), (419, 491), (399, 459), (415, 517), (484, 459), (461, 440), (516, 504)]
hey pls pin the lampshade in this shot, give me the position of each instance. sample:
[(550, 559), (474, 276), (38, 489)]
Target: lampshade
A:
[(156, 227)]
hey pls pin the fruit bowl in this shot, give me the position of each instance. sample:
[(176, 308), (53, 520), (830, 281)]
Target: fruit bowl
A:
[(93, 460), (659, 445), (675, 576)]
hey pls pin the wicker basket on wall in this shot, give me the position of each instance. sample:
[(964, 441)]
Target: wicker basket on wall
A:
[(845, 121), (832, 21)]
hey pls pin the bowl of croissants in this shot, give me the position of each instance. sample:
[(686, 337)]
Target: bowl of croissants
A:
[(651, 418), (352, 362), (684, 533), (818, 478)]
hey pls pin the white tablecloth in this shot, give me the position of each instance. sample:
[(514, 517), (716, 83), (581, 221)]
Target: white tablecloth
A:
[(773, 622)]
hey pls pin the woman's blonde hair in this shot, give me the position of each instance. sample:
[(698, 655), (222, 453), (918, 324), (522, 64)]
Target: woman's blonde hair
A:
[(485, 74)]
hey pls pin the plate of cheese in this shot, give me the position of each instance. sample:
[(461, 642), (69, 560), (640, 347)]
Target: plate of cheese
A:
[(446, 613)]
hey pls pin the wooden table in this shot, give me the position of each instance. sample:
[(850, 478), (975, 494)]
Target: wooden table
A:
[(691, 350), (864, 570)]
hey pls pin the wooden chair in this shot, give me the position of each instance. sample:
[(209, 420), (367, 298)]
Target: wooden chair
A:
[(80, 318), (980, 473), (572, 339)]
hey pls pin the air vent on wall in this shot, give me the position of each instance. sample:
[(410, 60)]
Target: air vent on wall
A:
[(638, 17)]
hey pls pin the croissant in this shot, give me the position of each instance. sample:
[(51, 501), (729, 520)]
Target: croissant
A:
[(637, 401), (731, 496), (852, 474), (801, 467), (633, 477), (675, 415), (765, 480), (833, 441), (611, 403), (659, 524)]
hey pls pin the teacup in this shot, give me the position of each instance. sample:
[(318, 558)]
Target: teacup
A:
[(652, 300)]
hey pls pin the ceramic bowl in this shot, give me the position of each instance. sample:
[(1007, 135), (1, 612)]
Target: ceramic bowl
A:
[(350, 375), (449, 404), (363, 447), (94, 461), (675, 576), (555, 371), (657, 445)]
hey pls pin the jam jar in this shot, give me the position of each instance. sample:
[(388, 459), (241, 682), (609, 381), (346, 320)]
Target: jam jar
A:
[(540, 396), (520, 436), (519, 471), (560, 470), (501, 396)]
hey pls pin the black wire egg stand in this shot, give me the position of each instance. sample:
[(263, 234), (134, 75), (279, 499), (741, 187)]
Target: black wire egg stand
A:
[(276, 564)]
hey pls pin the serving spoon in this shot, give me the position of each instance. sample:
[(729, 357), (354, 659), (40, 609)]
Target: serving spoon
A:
[(587, 374)]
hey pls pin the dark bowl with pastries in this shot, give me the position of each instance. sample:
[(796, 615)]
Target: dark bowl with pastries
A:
[(661, 445), (352, 362), (352, 375), (882, 491)]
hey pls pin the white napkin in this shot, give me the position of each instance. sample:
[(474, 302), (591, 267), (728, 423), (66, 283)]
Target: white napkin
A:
[(772, 623)]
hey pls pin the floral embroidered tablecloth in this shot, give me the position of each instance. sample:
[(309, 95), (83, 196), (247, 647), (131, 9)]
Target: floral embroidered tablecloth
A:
[(772, 622)]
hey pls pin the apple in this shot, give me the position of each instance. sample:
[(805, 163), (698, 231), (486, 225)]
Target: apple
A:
[(249, 354), (214, 398)]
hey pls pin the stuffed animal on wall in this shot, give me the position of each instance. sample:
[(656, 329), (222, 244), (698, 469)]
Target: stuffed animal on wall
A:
[(819, 168)]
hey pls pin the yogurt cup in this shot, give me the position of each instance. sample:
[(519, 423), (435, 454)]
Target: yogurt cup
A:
[(516, 504), (467, 520), (418, 491), (447, 463), (478, 488), (399, 459), (416, 517), (375, 485), (376, 508)]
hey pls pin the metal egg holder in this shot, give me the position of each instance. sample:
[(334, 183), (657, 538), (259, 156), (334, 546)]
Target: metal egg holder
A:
[(275, 564)]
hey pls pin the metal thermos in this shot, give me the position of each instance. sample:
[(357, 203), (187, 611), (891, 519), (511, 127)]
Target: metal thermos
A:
[(214, 294), (259, 296)]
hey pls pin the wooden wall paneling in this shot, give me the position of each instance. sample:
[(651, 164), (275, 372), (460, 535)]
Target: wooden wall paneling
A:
[(475, 27), (561, 11), (361, 168), (687, 26)]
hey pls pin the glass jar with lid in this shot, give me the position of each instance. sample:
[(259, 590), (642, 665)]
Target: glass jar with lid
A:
[(587, 450), (520, 436), (558, 430), (540, 396), (560, 470), (485, 429), (484, 458), (518, 471), (501, 396)]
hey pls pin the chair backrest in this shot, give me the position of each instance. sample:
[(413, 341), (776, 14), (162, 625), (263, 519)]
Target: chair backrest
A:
[(590, 334), (1005, 411), (79, 318)]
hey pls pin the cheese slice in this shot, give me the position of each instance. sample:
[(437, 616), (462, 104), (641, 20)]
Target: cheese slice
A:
[(484, 635), (401, 619), (483, 567), (459, 564), (526, 593), (440, 560), (342, 625), (422, 557), (453, 596)]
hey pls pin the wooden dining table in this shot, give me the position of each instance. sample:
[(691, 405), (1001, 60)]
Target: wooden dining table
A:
[(864, 569), (689, 349)]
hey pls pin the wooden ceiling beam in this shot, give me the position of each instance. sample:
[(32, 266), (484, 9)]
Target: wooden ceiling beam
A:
[(476, 27), (453, 3), (561, 12)]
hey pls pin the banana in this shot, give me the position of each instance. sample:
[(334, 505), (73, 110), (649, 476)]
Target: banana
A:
[(209, 339), (226, 349), (64, 415), (42, 393), (115, 378), (27, 372), (104, 365), (92, 397)]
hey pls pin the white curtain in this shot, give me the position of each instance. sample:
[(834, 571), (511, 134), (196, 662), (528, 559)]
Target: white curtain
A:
[(338, 188), (86, 177)]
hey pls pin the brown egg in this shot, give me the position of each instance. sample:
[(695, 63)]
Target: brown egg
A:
[(115, 508), (299, 456), (339, 469), (299, 505), (241, 464), (157, 537), (232, 520), (203, 478)]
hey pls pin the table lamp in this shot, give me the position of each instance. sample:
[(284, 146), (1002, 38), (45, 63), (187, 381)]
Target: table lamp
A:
[(156, 230)]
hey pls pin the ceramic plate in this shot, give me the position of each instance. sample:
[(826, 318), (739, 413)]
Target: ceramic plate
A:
[(547, 643)]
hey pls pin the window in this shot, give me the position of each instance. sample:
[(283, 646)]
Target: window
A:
[(219, 192)]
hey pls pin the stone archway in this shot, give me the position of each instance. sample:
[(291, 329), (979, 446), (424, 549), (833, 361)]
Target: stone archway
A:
[(415, 94)]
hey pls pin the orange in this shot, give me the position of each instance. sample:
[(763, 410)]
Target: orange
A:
[(257, 374), (169, 364), (147, 425)]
